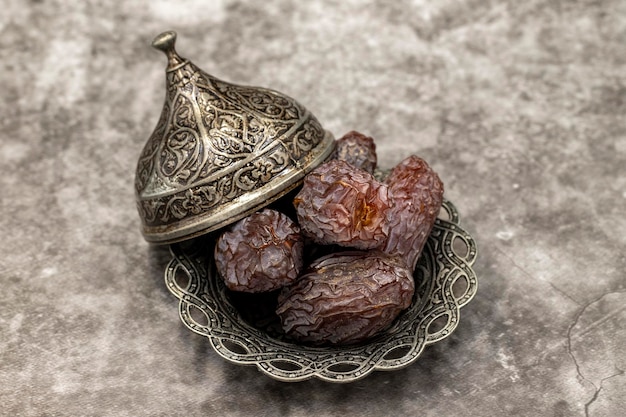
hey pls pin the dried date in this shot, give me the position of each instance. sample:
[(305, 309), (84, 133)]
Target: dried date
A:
[(356, 149), (346, 298), (261, 252), (417, 193), (343, 205)]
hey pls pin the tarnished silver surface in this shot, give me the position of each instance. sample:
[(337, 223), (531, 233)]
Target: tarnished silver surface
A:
[(220, 151), (247, 334)]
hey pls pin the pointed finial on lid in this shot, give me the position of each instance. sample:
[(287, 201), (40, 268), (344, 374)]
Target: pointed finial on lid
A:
[(220, 152), (166, 43)]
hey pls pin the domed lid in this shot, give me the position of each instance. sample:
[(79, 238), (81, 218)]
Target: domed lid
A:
[(220, 152)]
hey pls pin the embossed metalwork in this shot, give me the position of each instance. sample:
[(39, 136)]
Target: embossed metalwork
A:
[(445, 282), (220, 151)]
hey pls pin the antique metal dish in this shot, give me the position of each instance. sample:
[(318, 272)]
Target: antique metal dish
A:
[(220, 151), (243, 330)]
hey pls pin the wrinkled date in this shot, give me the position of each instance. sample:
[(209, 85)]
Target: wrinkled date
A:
[(343, 205), (417, 195), (261, 252), (346, 298), (343, 297), (356, 149)]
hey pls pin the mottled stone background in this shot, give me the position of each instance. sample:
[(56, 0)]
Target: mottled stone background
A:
[(519, 105)]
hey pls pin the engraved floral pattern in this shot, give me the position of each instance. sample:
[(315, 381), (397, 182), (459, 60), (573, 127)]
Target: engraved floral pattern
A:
[(145, 164), (262, 169), (214, 142)]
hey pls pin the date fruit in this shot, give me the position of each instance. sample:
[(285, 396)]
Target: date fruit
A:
[(343, 205), (261, 252), (356, 149), (417, 194), (346, 297)]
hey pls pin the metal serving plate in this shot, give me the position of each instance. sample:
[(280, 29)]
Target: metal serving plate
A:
[(243, 329)]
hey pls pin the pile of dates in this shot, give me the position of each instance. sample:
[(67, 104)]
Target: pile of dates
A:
[(367, 236)]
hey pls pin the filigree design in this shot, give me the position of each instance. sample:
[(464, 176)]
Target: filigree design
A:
[(220, 151), (264, 102), (213, 136), (445, 282), (195, 200), (145, 164)]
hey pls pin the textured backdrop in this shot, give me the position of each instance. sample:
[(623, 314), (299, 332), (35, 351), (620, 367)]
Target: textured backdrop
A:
[(520, 107)]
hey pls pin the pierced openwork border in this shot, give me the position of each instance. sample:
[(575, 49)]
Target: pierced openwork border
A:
[(445, 282)]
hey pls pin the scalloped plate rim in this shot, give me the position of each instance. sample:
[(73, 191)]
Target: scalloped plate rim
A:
[(382, 350)]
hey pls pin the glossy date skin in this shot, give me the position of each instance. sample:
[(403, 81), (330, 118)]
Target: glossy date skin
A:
[(259, 253), (340, 204), (345, 298), (417, 194)]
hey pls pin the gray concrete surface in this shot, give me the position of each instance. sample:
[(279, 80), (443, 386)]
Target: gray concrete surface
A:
[(520, 106)]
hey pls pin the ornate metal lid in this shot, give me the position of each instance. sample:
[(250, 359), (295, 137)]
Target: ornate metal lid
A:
[(220, 152)]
